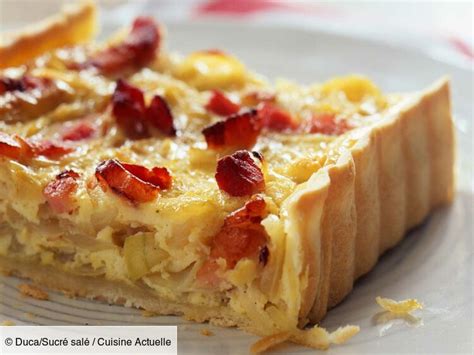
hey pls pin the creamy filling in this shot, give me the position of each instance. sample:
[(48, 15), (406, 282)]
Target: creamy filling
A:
[(162, 244)]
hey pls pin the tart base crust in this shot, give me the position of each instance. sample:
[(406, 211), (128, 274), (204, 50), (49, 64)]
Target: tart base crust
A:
[(118, 293), (75, 24), (398, 171)]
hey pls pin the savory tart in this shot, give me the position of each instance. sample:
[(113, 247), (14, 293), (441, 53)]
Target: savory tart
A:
[(190, 185)]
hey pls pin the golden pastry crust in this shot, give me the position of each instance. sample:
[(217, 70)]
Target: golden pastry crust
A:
[(75, 24), (399, 170)]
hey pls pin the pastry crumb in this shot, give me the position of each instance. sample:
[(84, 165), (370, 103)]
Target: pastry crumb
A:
[(343, 334), (7, 323), (398, 307), (269, 342), (316, 337), (206, 332), (33, 292)]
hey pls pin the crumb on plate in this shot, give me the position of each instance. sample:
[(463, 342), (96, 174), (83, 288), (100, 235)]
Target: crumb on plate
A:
[(316, 337), (7, 322), (33, 292), (399, 307), (269, 342), (343, 334)]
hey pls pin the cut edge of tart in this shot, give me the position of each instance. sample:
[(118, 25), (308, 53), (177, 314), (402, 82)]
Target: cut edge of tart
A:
[(252, 243)]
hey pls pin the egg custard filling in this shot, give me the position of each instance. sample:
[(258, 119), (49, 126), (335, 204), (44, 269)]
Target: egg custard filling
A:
[(172, 176)]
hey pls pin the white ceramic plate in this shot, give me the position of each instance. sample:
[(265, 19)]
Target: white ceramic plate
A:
[(433, 264)]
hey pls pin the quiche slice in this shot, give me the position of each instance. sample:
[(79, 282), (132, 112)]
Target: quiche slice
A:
[(190, 185)]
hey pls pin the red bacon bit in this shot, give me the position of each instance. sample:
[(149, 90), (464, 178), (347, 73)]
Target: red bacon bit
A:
[(15, 147), (128, 107), (239, 175), (221, 105), (276, 119), (326, 123), (9, 146), (159, 114), (237, 131), (156, 176), (59, 192), (253, 211), (137, 50), (79, 131), (136, 183), (241, 236), (50, 149)]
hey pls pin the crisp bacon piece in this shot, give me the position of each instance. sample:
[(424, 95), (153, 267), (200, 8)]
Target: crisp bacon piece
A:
[(50, 149), (79, 131), (241, 236), (59, 192), (15, 147), (128, 107), (253, 211), (237, 131), (136, 183), (159, 114), (221, 105), (276, 119), (137, 50), (156, 176), (9, 146), (239, 175), (326, 123)]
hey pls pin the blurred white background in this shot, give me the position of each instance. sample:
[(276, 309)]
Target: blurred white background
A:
[(443, 29)]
